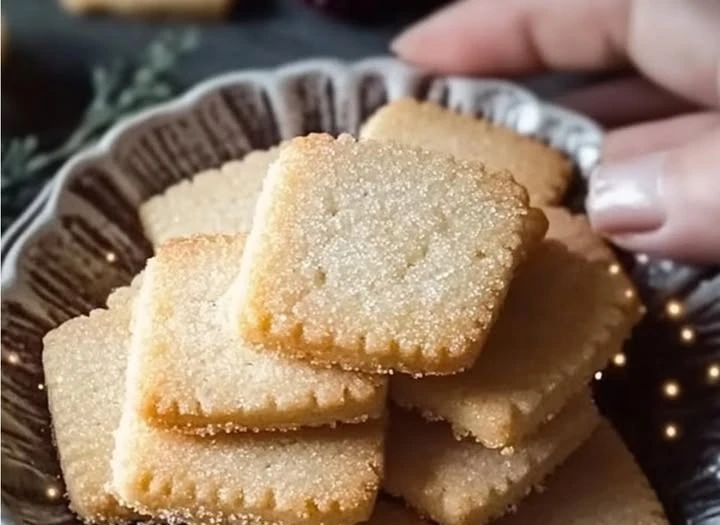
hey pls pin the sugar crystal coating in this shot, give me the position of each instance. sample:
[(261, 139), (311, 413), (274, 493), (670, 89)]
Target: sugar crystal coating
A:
[(196, 375), (319, 476), (380, 257), (563, 318), (314, 476), (460, 482), (600, 484), (80, 359), (542, 170)]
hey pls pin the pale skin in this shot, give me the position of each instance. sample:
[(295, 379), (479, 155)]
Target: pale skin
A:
[(657, 189)]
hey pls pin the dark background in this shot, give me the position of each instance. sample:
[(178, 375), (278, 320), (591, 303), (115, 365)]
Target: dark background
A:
[(49, 54)]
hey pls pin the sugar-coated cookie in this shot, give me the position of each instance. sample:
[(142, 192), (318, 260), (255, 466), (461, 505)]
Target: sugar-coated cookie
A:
[(380, 257), (196, 375), (220, 201), (544, 171), (563, 318), (84, 365), (460, 482), (600, 484)]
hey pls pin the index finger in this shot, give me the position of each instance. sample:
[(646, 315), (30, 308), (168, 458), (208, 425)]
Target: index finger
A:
[(674, 42), (519, 36)]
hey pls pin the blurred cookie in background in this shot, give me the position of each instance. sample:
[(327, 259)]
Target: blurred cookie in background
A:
[(152, 8)]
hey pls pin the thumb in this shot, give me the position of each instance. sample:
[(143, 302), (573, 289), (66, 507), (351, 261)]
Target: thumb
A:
[(664, 203)]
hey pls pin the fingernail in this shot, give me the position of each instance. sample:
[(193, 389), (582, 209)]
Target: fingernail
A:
[(626, 197), (405, 41)]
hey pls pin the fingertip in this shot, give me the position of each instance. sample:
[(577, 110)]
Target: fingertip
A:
[(437, 42), (405, 44)]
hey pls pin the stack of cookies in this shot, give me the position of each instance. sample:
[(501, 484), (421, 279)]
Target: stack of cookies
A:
[(243, 375)]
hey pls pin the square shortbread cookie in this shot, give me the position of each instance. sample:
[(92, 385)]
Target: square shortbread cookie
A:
[(563, 318), (195, 374), (194, 8), (575, 232), (214, 201), (380, 257), (79, 360), (600, 484), (320, 476), (460, 482), (545, 172)]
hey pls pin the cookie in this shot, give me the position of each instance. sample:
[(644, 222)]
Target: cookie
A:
[(599, 485), (188, 8), (564, 317), (544, 171), (319, 476), (460, 482), (310, 476), (196, 375), (80, 359), (575, 232), (214, 201), (380, 257)]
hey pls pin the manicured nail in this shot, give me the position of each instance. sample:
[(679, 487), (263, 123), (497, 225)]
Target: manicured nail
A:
[(626, 197)]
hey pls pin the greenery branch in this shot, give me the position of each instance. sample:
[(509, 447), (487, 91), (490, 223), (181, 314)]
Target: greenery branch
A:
[(118, 91)]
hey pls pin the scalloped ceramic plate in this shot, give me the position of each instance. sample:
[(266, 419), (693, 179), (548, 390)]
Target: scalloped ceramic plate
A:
[(81, 238)]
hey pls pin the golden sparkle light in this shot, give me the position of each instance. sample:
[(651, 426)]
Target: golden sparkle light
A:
[(52, 492), (619, 359), (713, 372), (687, 334), (110, 257), (671, 389), (614, 269), (674, 309), (598, 375), (13, 358), (671, 431)]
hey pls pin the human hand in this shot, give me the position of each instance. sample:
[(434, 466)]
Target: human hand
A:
[(657, 189)]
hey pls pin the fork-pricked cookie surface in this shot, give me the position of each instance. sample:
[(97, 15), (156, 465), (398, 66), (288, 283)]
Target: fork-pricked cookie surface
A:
[(196, 375), (564, 317), (380, 257), (542, 170)]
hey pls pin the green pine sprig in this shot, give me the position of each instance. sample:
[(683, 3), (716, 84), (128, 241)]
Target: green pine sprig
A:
[(118, 91)]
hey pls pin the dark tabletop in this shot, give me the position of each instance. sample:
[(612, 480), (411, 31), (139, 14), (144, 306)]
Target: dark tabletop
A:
[(50, 52)]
